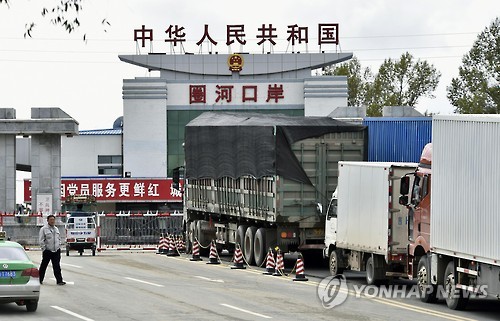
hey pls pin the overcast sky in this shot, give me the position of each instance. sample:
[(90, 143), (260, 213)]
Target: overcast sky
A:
[(54, 69)]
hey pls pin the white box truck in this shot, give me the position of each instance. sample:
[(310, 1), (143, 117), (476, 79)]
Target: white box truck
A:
[(366, 227), (457, 243)]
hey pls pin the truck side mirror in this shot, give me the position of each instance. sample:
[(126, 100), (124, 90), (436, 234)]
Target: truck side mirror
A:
[(404, 188), (403, 200)]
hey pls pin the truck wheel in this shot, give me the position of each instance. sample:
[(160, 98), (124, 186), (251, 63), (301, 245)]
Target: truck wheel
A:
[(455, 298), (240, 235), (259, 246), (93, 250), (248, 244), (67, 251), (334, 263), (426, 289), (374, 276)]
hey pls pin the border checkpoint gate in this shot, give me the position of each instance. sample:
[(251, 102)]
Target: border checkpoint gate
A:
[(115, 231)]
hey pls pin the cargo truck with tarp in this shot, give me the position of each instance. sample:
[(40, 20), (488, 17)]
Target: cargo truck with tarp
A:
[(262, 180)]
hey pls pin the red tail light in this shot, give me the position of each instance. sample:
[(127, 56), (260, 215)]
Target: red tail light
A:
[(90, 239), (71, 240), (33, 272)]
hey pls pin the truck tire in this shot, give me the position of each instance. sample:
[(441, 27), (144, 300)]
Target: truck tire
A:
[(202, 240), (259, 246), (248, 244), (455, 298), (334, 262), (240, 235), (374, 276), (426, 290)]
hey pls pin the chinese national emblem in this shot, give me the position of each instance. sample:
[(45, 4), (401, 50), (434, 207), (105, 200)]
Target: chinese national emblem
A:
[(235, 62)]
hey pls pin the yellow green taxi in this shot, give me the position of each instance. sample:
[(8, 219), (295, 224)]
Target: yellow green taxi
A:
[(19, 276)]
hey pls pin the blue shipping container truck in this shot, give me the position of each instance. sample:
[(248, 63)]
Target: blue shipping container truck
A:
[(397, 139)]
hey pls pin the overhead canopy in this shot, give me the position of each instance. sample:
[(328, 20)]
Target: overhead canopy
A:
[(224, 144)]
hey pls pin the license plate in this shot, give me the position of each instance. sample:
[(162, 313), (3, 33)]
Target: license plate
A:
[(7, 274)]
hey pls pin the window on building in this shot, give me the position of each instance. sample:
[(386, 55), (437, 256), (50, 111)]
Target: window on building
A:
[(110, 165)]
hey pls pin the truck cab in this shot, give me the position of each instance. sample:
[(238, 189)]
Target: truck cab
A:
[(81, 228), (81, 232)]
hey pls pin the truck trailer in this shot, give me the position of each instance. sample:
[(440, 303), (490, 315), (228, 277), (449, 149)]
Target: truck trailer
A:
[(366, 227), (454, 210), (262, 180)]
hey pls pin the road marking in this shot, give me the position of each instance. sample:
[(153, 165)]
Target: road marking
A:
[(71, 313), (145, 282), (208, 279), (246, 311), (75, 266), (401, 305)]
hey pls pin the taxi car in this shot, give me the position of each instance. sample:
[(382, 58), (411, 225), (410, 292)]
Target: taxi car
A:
[(19, 276)]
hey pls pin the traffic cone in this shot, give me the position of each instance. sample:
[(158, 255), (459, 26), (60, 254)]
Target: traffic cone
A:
[(196, 252), (280, 264), (299, 274), (213, 257), (163, 246), (172, 248), (238, 258), (270, 264)]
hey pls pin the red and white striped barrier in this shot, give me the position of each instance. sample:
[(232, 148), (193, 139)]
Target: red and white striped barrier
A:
[(196, 252), (213, 258), (172, 246), (238, 258), (163, 246), (270, 264), (300, 274), (280, 264)]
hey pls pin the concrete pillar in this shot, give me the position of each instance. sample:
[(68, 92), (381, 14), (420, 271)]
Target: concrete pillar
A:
[(46, 170), (7, 165)]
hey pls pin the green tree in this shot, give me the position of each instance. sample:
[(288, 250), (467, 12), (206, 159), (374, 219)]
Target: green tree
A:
[(400, 83), (64, 14), (357, 79), (477, 88)]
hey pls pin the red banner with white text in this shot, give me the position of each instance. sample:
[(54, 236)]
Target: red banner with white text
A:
[(117, 190)]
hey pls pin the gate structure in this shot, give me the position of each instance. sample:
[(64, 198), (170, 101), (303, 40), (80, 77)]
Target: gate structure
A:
[(136, 231), (121, 231)]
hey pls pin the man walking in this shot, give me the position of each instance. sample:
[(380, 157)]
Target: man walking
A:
[(50, 242)]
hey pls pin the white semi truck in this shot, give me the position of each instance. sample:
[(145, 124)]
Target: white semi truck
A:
[(457, 243), (366, 227)]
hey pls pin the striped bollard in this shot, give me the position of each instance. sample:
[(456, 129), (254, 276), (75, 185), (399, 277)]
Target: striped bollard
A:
[(172, 251), (213, 254), (300, 274), (196, 252), (238, 258), (270, 264), (280, 264)]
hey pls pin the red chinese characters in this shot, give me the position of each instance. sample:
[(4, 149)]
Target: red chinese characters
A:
[(197, 94), (224, 93)]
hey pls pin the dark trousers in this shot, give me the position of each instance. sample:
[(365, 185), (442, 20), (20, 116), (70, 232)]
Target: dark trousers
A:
[(55, 257)]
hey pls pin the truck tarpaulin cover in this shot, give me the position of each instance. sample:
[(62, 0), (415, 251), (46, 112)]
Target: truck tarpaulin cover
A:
[(224, 144)]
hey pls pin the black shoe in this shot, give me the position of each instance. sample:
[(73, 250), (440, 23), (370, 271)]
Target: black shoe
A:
[(61, 283), (41, 282)]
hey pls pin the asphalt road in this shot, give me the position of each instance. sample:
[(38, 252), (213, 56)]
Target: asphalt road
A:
[(146, 286)]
